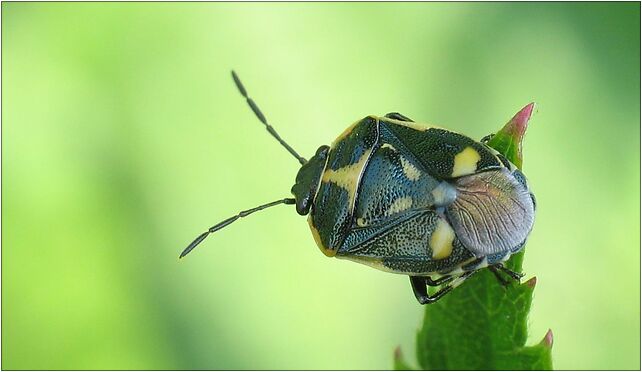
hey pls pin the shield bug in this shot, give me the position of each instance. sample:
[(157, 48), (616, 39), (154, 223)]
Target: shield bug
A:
[(410, 199)]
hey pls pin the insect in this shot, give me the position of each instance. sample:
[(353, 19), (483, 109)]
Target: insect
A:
[(410, 199)]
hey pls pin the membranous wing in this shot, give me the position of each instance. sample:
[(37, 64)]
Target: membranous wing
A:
[(493, 212)]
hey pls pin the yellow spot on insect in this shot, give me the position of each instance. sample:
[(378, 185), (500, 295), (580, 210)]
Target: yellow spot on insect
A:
[(345, 133), (465, 162), (399, 205), (361, 222), (457, 282), (388, 146), (409, 170), (348, 177), (441, 241), (315, 234), (375, 263)]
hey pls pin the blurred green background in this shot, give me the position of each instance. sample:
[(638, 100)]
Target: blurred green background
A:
[(124, 137)]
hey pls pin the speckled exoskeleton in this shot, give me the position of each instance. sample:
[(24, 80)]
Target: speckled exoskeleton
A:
[(410, 199)]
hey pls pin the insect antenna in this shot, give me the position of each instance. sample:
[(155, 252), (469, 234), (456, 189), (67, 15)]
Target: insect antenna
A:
[(262, 118), (228, 221)]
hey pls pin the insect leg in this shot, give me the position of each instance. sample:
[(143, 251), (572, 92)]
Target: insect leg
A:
[(500, 279), (421, 291), (495, 269), (398, 116), (487, 138), (515, 275), (433, 283), (460, 279)]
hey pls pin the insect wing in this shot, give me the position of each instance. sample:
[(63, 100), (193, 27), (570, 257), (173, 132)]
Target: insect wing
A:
[(493, 212)]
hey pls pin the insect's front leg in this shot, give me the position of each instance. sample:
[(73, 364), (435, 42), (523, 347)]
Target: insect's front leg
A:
[(487, 138), (398, 116), (420, 289), (437, 282)]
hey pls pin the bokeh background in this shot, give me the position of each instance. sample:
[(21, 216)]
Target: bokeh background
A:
[(124, 137)]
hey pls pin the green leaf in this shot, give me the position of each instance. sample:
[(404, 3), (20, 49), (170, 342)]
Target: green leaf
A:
[(508, 141), (482, 324)]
